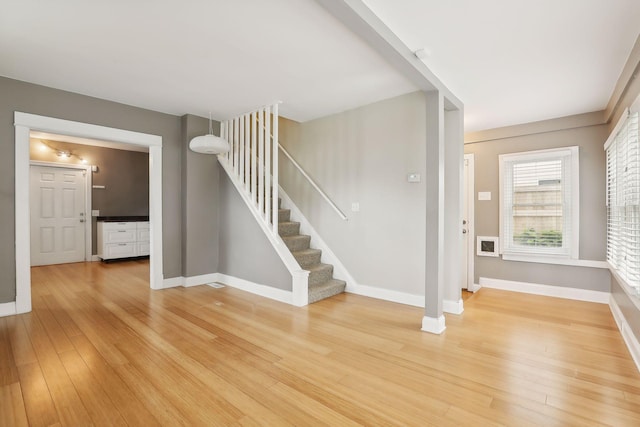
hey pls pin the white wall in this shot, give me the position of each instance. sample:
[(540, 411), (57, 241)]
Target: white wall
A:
[(364, 156)]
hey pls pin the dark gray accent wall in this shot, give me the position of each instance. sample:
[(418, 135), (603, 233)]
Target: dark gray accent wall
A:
[(245, 252), (124, 174), (200, 202), (592, 206), (35, 99)]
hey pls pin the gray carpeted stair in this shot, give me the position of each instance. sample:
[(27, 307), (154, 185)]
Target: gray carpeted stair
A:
[(321, 282)]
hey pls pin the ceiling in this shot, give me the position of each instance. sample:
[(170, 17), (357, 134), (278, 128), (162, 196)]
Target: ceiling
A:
[(509, 62)]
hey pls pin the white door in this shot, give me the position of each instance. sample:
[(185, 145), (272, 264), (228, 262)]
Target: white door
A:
[(57, 202), (467, 279)]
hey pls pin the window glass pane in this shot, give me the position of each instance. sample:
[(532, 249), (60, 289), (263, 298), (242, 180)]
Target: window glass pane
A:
[(537, 204)]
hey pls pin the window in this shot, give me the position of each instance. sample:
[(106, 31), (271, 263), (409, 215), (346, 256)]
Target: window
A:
[(623, 200), (539, 206)]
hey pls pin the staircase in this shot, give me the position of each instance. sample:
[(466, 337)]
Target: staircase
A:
[(321, 282), (252, 165)]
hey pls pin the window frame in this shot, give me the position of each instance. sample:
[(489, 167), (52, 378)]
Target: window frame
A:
[(570, 244)]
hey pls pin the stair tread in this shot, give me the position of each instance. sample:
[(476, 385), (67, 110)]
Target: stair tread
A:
[(319, 267), (328, 283), (295, 236), (309, 251)]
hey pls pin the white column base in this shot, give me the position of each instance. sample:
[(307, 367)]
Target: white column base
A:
[(453, 307), (433, 325)]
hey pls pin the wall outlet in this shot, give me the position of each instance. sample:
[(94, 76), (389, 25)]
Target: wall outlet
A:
[(413, 177), (355, 207)]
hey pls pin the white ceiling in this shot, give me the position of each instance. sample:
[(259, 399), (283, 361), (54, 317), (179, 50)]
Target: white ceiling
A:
[(508, 61)]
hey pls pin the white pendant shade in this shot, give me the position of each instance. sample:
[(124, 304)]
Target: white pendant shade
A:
[(209, 144)]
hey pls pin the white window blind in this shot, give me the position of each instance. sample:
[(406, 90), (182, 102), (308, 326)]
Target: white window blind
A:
[(539, 203), (623, 201)]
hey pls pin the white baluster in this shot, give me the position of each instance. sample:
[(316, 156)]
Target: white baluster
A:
[(267, 164), (275, 169)]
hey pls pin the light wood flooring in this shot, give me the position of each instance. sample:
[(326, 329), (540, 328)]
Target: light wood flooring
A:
[(101, 348)]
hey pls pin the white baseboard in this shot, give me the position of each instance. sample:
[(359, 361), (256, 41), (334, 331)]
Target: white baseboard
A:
[(95, 258), (172, 282), (453, 307), (8, 309), (474, 288), (433, 325), (385, 294), (546, 290), (203, 279), (627, 334), (256, 288)]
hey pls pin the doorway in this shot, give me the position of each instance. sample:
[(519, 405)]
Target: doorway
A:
[(468, 220), (24, 124)]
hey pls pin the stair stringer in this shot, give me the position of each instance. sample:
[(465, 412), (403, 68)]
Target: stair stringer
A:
[(299, 277), (328, 256)]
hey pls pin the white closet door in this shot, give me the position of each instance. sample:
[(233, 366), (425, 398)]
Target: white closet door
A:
[(57, 215)]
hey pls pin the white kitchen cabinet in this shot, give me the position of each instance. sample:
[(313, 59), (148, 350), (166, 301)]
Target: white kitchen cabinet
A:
[(123, 239)]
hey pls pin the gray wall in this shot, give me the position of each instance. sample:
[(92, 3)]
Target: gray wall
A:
[(245, 252), (592, 204), (364, 156), (30, 98), (200, 202), (125, 175)]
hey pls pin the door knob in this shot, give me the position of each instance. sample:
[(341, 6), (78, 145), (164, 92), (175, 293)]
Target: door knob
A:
[(81, 220)]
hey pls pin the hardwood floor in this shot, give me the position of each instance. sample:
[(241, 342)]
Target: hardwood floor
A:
[(101, 348)]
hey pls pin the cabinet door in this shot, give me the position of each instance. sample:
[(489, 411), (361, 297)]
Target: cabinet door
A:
[(143, 249), (143, 235)]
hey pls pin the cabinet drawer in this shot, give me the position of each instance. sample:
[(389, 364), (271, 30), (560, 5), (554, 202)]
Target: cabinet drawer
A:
[(125, 225), (119, 236), (119, 250), (143, 249), (142, 225)]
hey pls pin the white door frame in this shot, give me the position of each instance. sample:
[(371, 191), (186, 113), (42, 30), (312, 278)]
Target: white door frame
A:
[(469, 192), (25, 123), (87, 200)]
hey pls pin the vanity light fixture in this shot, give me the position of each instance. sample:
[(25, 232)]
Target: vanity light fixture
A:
[(209, 143)]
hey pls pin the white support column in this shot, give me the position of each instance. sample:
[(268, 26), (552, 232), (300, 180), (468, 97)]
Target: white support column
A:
[(23, 250), (453, 190), (433, 320)]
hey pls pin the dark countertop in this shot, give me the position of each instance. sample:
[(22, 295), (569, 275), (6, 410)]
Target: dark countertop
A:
[(123, 218)]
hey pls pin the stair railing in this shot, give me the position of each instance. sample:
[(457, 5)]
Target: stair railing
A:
[(252, 166), (312, 182)]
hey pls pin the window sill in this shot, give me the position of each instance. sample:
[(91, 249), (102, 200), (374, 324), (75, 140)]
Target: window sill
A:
[(555, 260), (628, 289)]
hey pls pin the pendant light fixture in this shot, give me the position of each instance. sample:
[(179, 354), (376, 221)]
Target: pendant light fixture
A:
[(209, 143)]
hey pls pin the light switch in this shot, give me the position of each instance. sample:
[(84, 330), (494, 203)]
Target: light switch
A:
[(484, 195), (355, 207), (95, 212)]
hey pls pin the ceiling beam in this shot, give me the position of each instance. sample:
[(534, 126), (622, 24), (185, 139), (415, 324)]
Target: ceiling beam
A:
[(358, 18)]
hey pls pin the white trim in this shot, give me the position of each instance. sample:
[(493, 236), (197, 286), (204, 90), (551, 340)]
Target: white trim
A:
[(256, 288), (95, 258), (558, 261), (628, 289), (625, 330), (453, 307), (299, 277), (433, 325), (616, 129), (385, 294), (88, 219), (474, 288), (546, 290), (8, 309), (24, 124), (203, 279), (173, 282)]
